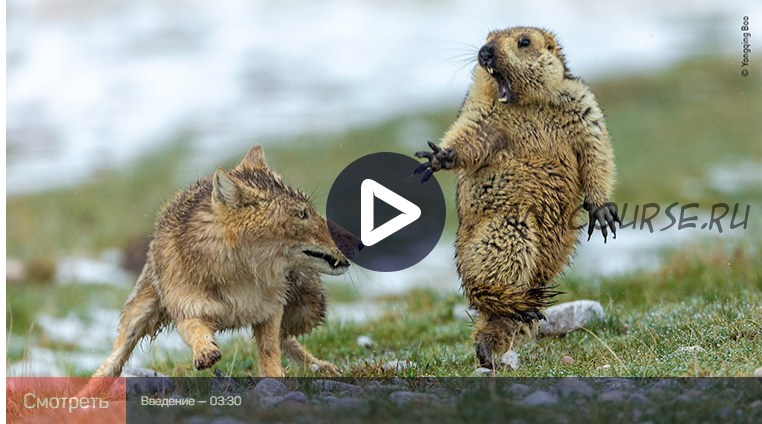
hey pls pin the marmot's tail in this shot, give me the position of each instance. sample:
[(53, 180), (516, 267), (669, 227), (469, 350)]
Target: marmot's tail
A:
[(494, 301)]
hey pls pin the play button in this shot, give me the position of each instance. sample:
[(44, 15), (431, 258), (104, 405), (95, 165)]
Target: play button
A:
[(369, 190), (398, 219)]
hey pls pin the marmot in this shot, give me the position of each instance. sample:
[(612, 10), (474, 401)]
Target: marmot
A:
[(528, 143)]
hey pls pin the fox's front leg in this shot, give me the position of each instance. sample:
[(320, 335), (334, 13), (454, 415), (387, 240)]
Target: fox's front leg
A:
[(199, 335), (268, 341)]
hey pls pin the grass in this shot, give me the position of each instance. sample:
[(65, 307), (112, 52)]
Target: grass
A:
[(668, 130)]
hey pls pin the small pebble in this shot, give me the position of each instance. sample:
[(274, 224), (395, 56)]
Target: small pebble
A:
[(690, 349), (540, 397), (398, 365), (365, 341), (604, 368), (510, 360), (567, 360), (758, 372), (481, 372)]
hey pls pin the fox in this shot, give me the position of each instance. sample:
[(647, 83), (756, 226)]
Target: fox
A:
[(236, 249)]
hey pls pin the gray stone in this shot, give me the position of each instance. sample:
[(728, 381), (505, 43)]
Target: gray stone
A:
[(296, 397), (573, 386), (619, 384), (196, 419), (517, 390), (481, 372), (612, 396), (639, 398), (666, 383), (569, 316), (690, 349), (140, 372), (344, 389), (224, 383), (538, 398), (150, 385), (404, 398), (758, 372), (269, 387), (510, 360), (365, 341)]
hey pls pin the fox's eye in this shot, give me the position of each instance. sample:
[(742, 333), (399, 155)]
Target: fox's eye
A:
[(302, 214), (524, 42)]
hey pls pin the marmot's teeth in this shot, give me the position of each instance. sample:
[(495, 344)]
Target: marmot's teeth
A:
[(490, 70), (336, 264)]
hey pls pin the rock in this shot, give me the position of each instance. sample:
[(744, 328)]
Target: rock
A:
[(757, 404), (365, 341), (666, 383), (224, 383), (344, 389), (463, 312), (14, 271), (377, 387), (604, 368), (538, 398), (296, 397), (566, 317), (404, 398), (481, 372), (690, 349), (639, 398), (150, 385), (269, 387), (398, 365), (510, 360), (758, 372), (517, 390), (567, 360), (612, 396), (270, 401), (573, 386)]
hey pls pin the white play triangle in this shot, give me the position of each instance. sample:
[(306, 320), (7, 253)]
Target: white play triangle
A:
[(369, 235)]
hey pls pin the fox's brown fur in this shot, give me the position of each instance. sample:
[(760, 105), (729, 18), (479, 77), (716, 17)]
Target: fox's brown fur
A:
[(529, 141), (234, 250)]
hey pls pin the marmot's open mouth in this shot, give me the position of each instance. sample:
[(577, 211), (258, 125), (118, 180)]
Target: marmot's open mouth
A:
[(332, 261), (503, 86)]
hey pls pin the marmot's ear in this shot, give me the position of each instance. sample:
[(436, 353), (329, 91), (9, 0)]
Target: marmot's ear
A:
[(225, 190), (550, 41), (255, 159)]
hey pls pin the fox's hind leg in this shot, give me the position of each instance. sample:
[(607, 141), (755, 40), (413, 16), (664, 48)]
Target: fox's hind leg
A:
[(305, 310), (140, 317)]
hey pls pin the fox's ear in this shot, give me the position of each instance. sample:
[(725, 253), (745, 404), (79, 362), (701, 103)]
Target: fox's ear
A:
[(255, 159), (226, 190)]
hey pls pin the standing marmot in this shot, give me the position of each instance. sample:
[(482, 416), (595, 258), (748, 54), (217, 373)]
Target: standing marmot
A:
[(529, 141)]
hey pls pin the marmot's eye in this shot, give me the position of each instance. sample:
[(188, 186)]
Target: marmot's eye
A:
[(524, 42), (302, 214)]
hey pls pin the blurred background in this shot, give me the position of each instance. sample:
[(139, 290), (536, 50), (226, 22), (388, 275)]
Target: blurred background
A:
[(112, 105)]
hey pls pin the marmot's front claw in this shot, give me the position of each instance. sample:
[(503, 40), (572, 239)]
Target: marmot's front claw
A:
[(437, 159), (606, 216)]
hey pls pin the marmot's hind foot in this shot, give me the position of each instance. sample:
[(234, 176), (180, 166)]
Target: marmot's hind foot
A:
[(485, 356)]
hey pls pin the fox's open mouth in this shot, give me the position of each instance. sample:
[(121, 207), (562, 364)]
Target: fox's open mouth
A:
[(503, 86), (333, 262)]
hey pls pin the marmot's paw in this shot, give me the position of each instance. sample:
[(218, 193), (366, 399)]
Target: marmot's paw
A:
[(325, 368), (485, 356), (604, 215), (529, 316), (206, 357), (437, 159)]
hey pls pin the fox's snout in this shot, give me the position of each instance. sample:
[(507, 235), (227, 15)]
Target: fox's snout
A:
[(347, 243)]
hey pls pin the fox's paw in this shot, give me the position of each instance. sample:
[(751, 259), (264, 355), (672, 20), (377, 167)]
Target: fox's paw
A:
[(326, 368), (437, 159), (206, 356)]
